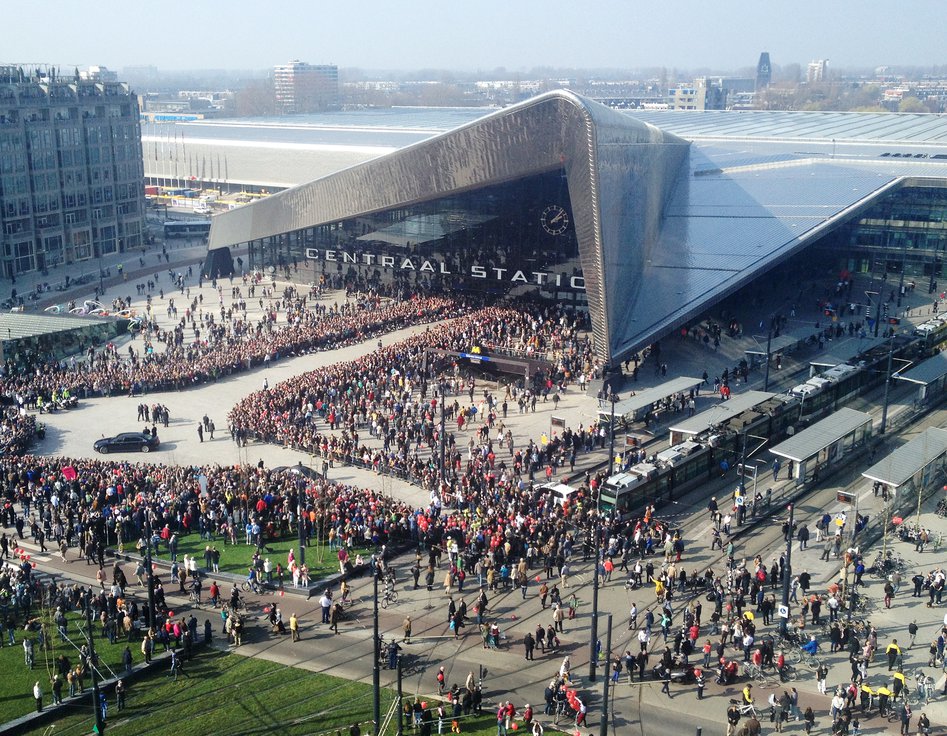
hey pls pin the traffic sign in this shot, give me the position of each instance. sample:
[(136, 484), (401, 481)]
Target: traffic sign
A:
[(782, 610)]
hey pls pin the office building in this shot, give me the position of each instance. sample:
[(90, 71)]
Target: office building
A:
[(817, 71), (304, 88), (645, 218), (71, 175)]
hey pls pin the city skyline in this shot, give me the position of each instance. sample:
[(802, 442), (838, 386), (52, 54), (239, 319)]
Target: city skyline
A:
[(517, 37)]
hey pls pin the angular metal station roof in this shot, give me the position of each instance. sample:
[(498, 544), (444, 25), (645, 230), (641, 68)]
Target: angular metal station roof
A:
[(722, 412), (927, 372), (812, 440), (902, 464), (665, 227)]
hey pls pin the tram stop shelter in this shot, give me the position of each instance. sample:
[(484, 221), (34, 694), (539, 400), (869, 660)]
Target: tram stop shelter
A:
[(930, 378), (845, 352), (718, 414), (636, 407), (913, 468), (24, 336), (815, 449), (782, 345)]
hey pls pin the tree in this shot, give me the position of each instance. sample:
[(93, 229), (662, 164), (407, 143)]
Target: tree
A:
[(912, 104)]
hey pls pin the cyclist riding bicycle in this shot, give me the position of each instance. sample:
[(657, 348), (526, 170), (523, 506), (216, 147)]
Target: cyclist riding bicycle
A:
[(811, 646), (252, 579)]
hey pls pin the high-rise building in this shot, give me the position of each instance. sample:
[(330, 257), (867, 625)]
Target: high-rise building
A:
[(302, 87), (764, 71), (817, 71), (71, 175)]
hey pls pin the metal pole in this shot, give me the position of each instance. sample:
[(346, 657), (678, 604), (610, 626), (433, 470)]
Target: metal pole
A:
[(603, 729), (99, 721), (149, 571), (904, 253), (611, 446), (769, 341), (884, 410), (376, 671), (400, 701), (787, 574), (881, 291), (743, 464), (593, 637), (443, 439), (302, 524)]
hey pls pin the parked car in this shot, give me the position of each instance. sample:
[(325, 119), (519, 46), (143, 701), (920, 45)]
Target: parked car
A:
[(127, 442)]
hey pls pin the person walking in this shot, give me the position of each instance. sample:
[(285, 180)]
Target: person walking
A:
[(200, 432), (406, 626), (294, 626), (893, 651), (38, 697), (666, 681), (905, 719), (529, 643)]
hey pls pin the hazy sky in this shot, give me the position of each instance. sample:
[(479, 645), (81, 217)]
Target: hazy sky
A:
[(480, 34)]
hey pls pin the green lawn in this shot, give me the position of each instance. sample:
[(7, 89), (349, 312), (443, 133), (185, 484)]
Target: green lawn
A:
[(242, 696), (235, 559), (16, 684)]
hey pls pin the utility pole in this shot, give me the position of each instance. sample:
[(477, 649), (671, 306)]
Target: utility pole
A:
[(96, 694), (769, 342), (611, 447), (376, 671), (593, 640), (787, 574), (603, 729), (149, 571), (400, 701), (884, 410), (443, 439), (301, 517)]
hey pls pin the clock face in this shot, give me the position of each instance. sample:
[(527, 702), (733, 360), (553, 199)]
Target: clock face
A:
[(554, 219)]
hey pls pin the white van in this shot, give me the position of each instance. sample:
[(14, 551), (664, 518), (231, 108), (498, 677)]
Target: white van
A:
[(559, 491)]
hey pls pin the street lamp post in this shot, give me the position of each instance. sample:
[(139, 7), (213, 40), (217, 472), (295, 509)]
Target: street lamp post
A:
[(787, 575), (603, 729), (769, 342), (149, 571), (884, 410), (611, 445), (301, 519), (593, 636), (376, 648), (96, 694)]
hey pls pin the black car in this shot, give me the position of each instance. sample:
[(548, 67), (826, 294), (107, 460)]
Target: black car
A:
[(127, 442)]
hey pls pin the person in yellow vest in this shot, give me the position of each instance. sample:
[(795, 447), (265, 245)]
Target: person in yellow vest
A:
[(658, 589)]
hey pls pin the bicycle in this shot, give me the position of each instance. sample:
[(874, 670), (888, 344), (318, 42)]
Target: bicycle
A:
[(749, 709), (923, 693), (389, 598), (757, 673), (788, 674), (247, 586)]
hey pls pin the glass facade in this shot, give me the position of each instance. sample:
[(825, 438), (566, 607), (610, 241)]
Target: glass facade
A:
[(903, 232), (512, 238)]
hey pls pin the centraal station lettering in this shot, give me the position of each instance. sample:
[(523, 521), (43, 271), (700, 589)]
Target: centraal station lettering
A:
[(405, 263)]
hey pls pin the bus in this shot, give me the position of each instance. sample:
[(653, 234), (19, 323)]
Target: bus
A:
[(187, 229)]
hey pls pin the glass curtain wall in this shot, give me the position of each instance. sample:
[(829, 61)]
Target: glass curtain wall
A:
[(512, 238)]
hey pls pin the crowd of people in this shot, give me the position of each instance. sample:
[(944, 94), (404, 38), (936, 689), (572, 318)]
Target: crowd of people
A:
[(205, 345)]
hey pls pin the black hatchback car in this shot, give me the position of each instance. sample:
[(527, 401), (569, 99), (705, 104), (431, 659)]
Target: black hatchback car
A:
[(127, 442)]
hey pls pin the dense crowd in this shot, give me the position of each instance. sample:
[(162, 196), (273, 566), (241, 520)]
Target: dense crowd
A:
[(404, 398), (205, 346)]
